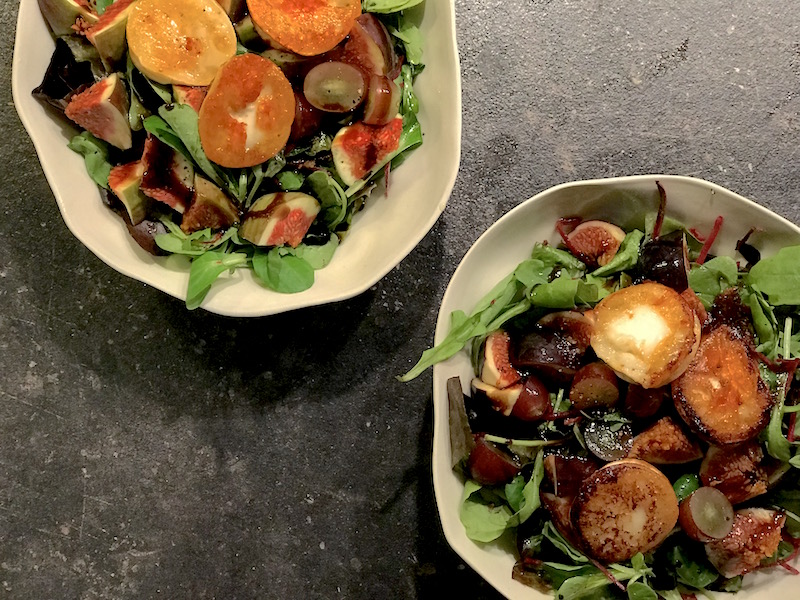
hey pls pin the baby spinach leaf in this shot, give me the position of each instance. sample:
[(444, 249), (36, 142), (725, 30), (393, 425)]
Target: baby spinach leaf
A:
[(95, 156), (317, 256), (555, 257), (713, 277), (778, 276), (484, 519), (331, 196), (626, 257), (408, 33)]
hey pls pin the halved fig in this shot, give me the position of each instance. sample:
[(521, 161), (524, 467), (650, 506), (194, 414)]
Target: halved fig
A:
[(168, 175), (490, 465), (624, 508), (566, 473), (383, 100), (279, 218), (369, 46), (61, 15), (193, 95), (358, 148), (124, 181), (247, 115), (665, 260), (755, 536), (502, 400), (594, 385), (647, 333), (309, 27), (665, 443), (108, 34), (103, 111), (706, 515), (721, 396), (210, 208), (739, 472), (595, 242), (497, 370), (181, 41), (555, 347)]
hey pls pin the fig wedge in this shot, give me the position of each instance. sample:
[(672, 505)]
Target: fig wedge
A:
[(721, 396), (279, 218), (665, 443), (497, 369), (103, 111), (181, 41), (309, 27), (647, 333), (357, 149), (755, 536), (247, 115)]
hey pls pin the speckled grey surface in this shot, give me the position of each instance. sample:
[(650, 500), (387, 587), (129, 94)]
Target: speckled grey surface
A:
[(146, 451)]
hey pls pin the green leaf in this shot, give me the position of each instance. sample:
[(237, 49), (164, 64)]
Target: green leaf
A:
[(585, 587), (626, 257), (503, 297), (713, 277), (408, 33), (95, 156), (102, 5), (290, 181), (205, 270), (777, 444), (387, 6), (555, 257), (778, 276), (693, 571), (564, 293), (284, 273), (559, 541), (331, 196), (184, 122), (530, 501), (317, 256), (483, 521), (641, 591)]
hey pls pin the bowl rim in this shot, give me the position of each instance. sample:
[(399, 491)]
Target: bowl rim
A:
[(23, 102), (454, 533)]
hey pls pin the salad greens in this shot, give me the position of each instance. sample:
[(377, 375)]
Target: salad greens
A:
[(554, 279), (304, 165)]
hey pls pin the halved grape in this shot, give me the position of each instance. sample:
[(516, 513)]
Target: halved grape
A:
[(334, 87), (706, 515)]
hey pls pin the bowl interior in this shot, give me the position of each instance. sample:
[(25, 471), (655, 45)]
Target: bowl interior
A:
[(694, 202), (382, 235)]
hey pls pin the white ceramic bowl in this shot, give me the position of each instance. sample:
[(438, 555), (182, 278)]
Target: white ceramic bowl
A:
[(382, 235), (696, 203)]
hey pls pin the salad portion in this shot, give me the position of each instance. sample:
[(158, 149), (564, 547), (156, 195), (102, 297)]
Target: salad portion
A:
[(631, 420), (238, 134)]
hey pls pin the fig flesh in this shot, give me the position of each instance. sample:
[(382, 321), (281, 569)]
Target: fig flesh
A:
[(103, 111), (279, 218)]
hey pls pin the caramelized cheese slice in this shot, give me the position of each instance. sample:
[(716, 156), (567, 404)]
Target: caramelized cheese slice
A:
[(625, 507), (647, 333)]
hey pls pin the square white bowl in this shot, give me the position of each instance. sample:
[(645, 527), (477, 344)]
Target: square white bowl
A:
[(505, 244), (381, 236)]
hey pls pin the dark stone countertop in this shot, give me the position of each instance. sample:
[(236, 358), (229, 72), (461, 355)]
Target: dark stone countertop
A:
[(147, 451)]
